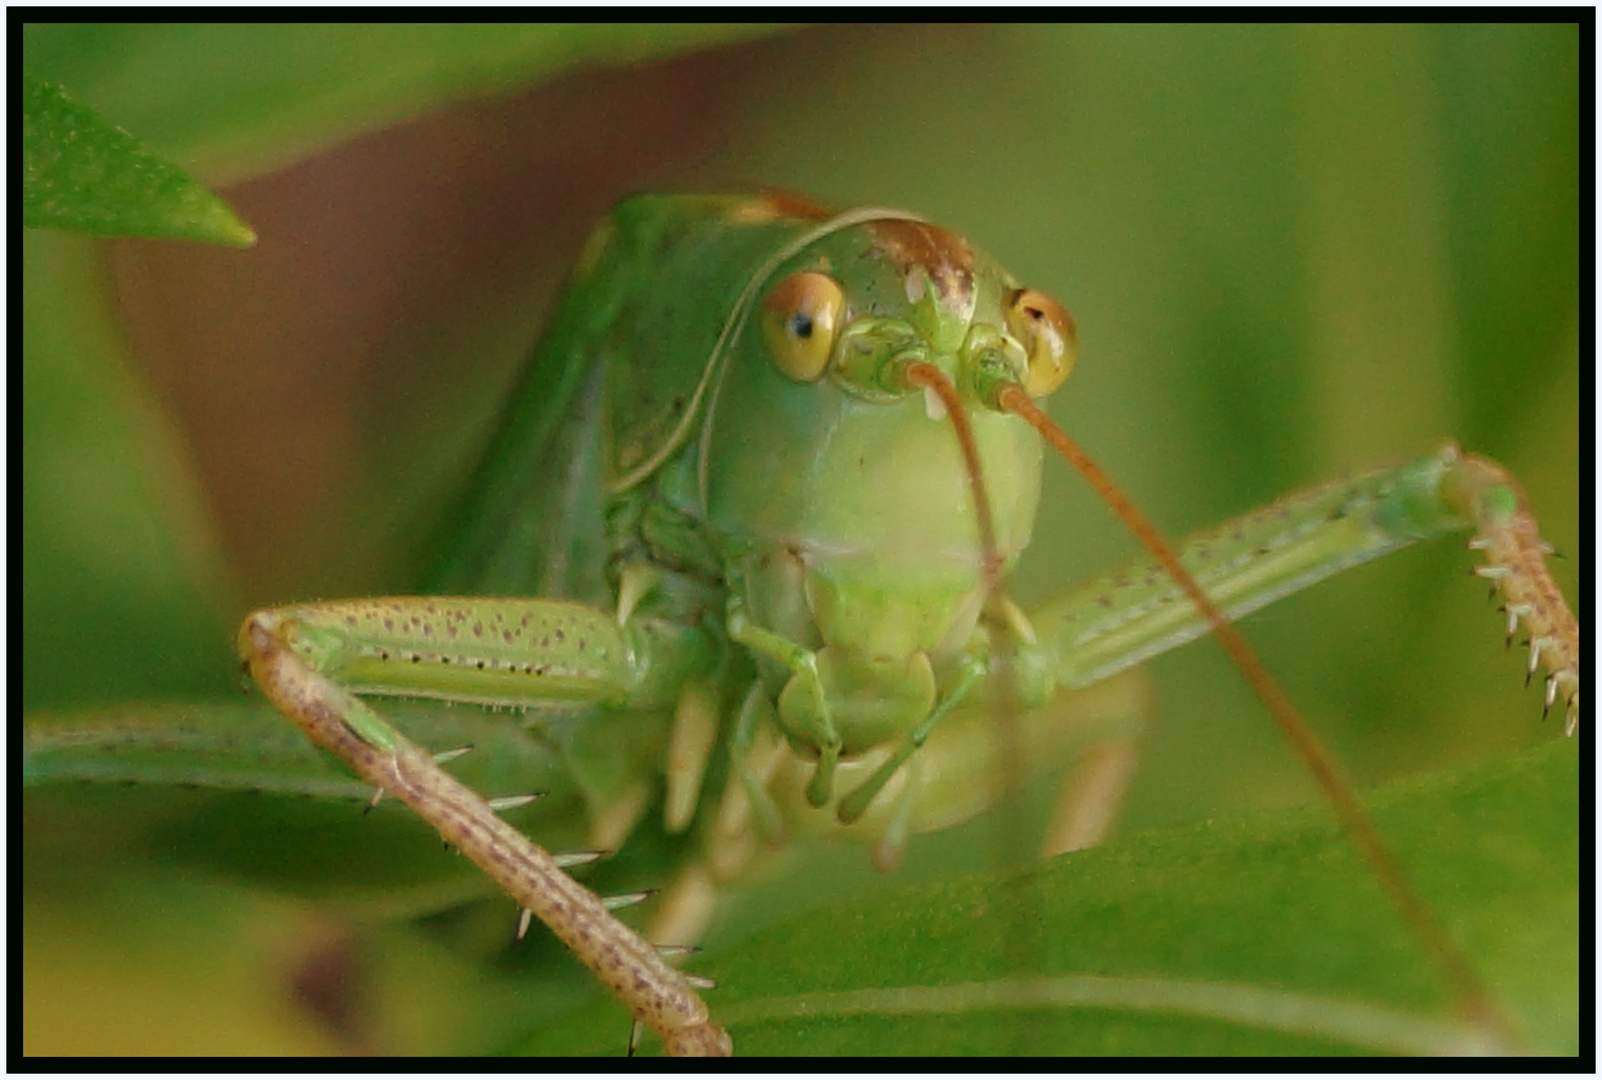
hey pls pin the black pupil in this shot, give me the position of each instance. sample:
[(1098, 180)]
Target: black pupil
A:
[(801, 326)]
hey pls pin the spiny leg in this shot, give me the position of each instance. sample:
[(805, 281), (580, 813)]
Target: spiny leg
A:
[(335, 720), (1123, 617), (1515, 555)]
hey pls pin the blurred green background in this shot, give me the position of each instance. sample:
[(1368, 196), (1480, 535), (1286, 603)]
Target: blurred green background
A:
[(1291, 251)]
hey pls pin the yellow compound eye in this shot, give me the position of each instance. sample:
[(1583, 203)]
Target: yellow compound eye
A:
[(1049, 337), (800, 318)]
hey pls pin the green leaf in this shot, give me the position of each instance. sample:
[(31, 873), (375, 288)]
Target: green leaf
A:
[(1258, 935), (247, 747), (81, 173)]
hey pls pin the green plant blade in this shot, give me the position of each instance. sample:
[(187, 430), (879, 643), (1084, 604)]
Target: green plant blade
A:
[(83, 174), (264, 806), (1260, 935)]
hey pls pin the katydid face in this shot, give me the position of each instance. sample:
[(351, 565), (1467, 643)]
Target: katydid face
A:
[(841, 495)]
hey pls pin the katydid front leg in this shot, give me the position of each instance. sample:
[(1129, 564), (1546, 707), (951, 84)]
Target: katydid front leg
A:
[(1122, 618), (309, 660)]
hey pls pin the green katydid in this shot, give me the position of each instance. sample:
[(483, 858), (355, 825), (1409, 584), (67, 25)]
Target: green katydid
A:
[(698, 575), (789, 601)]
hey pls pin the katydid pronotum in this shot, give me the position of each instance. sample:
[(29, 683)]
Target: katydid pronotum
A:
[(804, 644)]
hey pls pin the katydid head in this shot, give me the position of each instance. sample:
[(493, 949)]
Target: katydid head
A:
[(848, 510)]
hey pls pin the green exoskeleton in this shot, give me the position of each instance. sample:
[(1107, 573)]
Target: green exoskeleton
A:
[(763, 551)]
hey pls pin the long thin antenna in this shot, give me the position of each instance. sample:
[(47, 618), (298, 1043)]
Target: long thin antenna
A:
[(1023, 934)]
